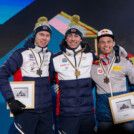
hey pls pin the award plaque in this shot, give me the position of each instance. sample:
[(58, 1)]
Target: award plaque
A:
[(24, 92), (122, 107)]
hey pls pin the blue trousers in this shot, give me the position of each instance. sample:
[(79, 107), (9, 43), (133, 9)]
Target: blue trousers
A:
[(83, 124), (34, 123)]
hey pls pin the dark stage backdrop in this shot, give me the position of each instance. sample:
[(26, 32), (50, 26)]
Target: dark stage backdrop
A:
[(116, 15)]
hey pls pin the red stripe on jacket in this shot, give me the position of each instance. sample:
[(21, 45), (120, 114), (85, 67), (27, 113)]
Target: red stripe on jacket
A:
[(18, 76), (58, 96)]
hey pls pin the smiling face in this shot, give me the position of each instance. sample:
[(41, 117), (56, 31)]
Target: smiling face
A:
[(42, 38), (73, 40), (106, 44)]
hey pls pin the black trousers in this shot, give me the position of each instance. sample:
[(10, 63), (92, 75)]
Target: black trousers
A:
[(83, 124)]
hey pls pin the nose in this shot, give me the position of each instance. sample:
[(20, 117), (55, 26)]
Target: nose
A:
[(106, 43), (73, 38), (44, 37)]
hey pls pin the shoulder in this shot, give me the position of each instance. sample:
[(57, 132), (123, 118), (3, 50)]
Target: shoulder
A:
[(126, 63), (49, 52), (57, 54), (124, 60), (96, 62), (18, 51)]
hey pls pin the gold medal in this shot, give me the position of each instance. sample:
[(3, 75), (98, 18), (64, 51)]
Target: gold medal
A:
[(77, 72), (106, 80)]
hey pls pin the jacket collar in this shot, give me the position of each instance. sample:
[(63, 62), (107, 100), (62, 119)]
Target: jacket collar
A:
[(107, 58), (39, 49)]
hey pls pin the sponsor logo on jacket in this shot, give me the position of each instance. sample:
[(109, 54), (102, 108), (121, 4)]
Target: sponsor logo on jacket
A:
[(64, 64), (117, 68), (31, 57)]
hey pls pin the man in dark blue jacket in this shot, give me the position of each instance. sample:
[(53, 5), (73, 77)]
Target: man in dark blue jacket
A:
[(72, 65), (31, 63)]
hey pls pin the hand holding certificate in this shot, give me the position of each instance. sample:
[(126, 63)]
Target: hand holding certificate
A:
[(24, 93)]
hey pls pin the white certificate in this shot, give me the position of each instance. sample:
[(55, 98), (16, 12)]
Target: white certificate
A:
[(122, 107), (24, 92)]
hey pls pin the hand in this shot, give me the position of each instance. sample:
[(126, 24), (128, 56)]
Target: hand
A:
[(56, 88), (15, 106)]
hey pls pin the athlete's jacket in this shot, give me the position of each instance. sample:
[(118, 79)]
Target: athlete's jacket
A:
[(75, 95), (121, 78), (23, 65)]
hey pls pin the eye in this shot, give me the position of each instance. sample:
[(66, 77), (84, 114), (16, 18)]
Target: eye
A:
[(48, 35), (102, 42), (41, 34), (110, 41)]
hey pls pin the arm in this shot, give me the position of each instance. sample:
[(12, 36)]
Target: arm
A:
[(12, 64), (130, 74), (51, 71), (53, 76)]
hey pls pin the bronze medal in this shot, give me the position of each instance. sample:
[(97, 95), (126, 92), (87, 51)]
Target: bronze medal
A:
[(39, 72), (77, 72), (106, 80)]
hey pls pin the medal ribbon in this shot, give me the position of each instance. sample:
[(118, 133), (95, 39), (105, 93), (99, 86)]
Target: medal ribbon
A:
[(108, 72), (36, 59), (109, 69), (72, 63)]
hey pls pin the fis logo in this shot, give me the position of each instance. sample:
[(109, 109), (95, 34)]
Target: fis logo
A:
[(64, 60), (31, 56)]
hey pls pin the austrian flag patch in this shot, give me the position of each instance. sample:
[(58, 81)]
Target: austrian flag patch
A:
[(99, 71)]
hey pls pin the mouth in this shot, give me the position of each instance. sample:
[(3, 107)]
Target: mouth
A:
[(106, 48), (73, 43), (43, 42)]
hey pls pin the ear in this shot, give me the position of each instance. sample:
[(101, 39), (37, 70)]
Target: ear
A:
[(98, 45), (113, 43)]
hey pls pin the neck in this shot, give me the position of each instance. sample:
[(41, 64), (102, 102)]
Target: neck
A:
[(40, 49), (107, 53)]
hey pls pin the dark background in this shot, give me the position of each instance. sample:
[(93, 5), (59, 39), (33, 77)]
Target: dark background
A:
[(117, 15)]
